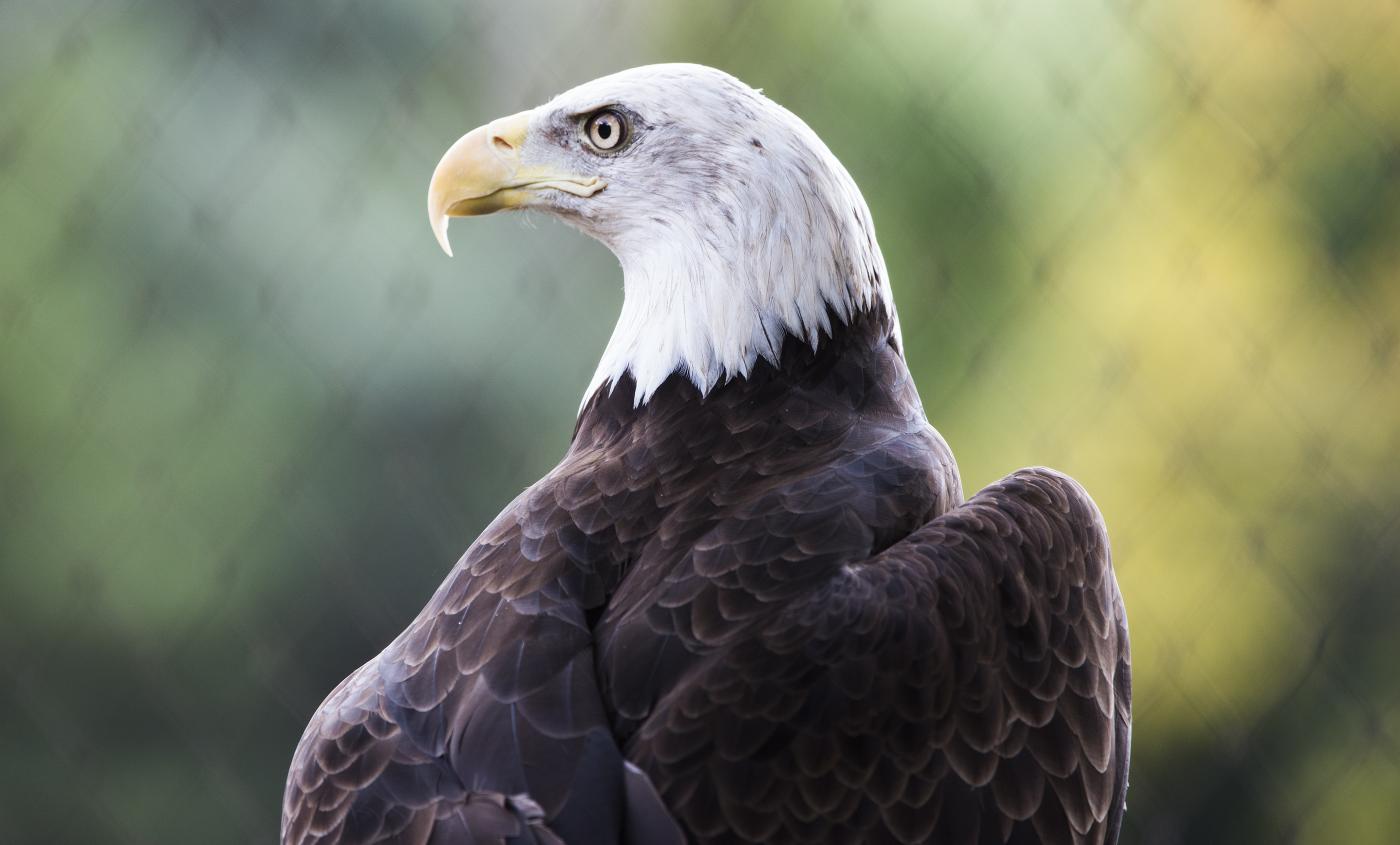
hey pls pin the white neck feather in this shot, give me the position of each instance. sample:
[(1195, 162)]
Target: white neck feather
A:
[(720, 275)]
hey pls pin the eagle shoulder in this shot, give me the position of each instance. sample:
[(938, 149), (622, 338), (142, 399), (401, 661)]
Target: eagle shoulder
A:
[(972, 675), (483, 718)]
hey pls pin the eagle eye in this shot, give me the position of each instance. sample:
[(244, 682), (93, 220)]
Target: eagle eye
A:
[(606, 130)]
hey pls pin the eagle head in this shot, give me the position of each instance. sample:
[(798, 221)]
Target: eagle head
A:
[(734, 224)]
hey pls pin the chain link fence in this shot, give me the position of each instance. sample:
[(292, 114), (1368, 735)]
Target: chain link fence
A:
[(249, 415)]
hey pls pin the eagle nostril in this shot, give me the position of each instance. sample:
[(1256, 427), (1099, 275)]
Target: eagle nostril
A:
[(501, 144)]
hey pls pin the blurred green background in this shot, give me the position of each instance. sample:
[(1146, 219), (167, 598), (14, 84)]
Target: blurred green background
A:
[(250, 415)]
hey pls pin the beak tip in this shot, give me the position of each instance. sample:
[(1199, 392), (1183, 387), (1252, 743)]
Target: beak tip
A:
[(440, 232)]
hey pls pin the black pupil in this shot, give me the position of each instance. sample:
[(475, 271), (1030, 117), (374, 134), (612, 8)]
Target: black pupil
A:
[(604, 129)]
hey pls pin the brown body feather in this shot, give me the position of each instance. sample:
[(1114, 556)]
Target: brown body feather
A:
[(772, 600)]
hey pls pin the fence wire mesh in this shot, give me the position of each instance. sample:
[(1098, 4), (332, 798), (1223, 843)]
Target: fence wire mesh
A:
[(250, 416)]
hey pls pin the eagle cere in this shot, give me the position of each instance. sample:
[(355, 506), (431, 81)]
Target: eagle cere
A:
[(750, 604)]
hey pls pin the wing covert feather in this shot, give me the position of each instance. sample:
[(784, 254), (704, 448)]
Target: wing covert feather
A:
[(483, 719), (966, 684)]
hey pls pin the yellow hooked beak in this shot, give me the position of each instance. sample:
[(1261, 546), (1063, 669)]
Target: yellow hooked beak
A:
[(482, 173)]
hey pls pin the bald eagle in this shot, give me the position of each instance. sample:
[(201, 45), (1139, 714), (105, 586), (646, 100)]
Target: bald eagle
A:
[(750, 604)]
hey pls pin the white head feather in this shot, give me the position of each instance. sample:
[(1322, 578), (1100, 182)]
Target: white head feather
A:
[(733, 223)]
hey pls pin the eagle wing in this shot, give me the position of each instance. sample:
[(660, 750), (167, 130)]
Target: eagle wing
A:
[(483, 719), (967, 684)]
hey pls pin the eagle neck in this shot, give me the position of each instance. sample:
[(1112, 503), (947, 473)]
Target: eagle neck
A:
[(856, 368)]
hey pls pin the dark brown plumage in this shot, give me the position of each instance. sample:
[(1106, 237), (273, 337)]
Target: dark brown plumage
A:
[(773, 601)]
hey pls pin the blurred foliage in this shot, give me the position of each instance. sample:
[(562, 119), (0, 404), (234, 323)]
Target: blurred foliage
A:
[(249, 415)]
